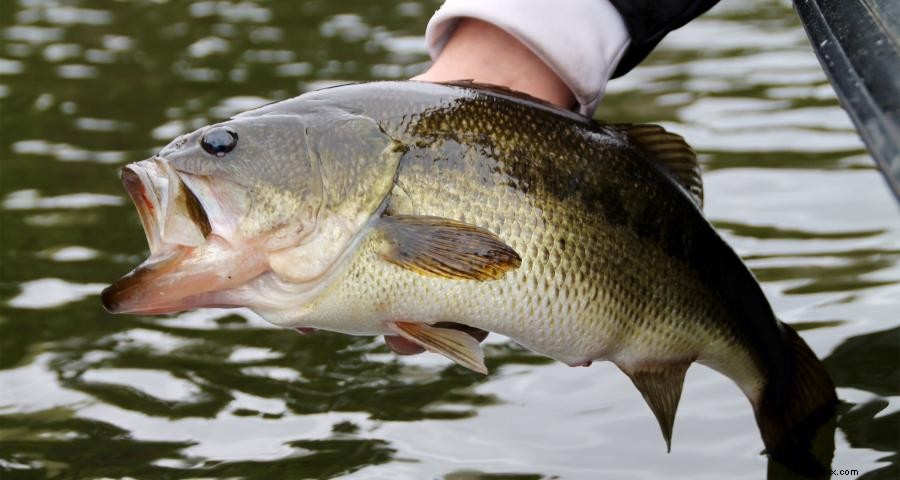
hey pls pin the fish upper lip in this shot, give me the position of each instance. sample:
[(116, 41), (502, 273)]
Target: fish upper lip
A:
[(146, 198), (154, 185)]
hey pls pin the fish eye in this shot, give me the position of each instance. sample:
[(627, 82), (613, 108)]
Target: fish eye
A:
[(219, 141)]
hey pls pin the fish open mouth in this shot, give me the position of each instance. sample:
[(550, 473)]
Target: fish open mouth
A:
[(189, 263), (170, 212)]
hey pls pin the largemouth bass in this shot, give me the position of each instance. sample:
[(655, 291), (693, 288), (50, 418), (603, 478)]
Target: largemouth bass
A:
[(392, 208)]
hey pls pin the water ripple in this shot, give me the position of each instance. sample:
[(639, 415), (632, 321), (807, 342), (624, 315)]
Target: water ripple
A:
[(221, 394), (32, 200), (53, 292)]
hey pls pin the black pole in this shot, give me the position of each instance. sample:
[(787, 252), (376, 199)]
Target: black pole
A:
[(858, 45)]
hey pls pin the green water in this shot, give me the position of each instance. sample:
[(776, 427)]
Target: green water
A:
[(87, 86)]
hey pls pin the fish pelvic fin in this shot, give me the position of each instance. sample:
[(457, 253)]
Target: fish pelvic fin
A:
[(660, 386), (445, 248), (671, 152), (798, 399), (458, 346)]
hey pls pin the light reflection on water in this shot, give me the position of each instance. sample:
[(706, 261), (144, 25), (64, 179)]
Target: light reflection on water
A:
[(85, 88)]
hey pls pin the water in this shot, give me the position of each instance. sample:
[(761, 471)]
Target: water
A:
[(87, 86)]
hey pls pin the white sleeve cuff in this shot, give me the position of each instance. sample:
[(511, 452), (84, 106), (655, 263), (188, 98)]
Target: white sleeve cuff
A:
[(582, 41)]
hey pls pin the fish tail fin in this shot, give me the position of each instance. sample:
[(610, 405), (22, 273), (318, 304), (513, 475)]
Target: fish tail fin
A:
[(799, 398)]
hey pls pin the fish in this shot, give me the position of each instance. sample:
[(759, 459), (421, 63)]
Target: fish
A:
[(430, 212)]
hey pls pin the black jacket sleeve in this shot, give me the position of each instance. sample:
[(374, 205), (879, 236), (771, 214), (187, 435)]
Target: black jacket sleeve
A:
[(648, 21)]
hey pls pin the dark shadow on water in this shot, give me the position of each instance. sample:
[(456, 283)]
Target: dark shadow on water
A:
[(871, 362), (325, 459), (864, 428), (58, 445), (868, 362), (770, 232)]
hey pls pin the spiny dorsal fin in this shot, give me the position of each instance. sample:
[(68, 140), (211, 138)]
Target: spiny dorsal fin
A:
[(458, 346), (443, 247), (670, 151), (661, 387)]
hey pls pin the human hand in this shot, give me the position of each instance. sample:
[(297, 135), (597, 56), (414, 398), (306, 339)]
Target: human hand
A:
[(484, 53)]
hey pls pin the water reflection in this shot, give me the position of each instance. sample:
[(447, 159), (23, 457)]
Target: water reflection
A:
[(86, 86), (858, 363)]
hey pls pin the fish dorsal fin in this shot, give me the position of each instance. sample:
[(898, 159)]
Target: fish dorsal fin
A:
[(458, 346), (445, 248), (672, 152), (660, 386)]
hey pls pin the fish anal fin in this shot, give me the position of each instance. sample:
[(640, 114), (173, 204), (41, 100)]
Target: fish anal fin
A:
[(456, 345), (670, 151), (660, 385), (445, 248)]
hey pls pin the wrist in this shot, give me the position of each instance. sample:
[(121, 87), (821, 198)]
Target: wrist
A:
[(483, 53)]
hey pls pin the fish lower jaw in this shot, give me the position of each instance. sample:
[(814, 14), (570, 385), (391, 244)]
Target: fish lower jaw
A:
[(279, 302)]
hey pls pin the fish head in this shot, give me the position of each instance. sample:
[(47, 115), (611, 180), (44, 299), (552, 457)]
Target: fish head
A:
[(251, 212)]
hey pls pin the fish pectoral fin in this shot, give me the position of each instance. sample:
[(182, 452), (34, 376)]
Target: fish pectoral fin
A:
[(444, 248), (453, 344), (660, 386)]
